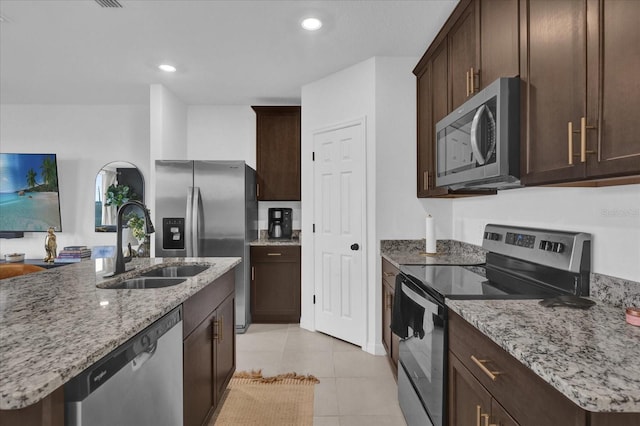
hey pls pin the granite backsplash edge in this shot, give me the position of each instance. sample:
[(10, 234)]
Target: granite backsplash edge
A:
[(615, 291)]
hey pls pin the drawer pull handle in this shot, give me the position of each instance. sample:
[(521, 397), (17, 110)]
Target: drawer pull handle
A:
[(389, 274), (274, 254), (480, 363)]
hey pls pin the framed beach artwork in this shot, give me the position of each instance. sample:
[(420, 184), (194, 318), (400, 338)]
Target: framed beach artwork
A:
[(29, 198)]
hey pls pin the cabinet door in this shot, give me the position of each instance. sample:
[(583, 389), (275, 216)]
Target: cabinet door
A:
[(278, 153), (225, 346), (614, 104), (275, 284), (499, 40), (198, 373), (553, 71), (425, 132), (499, 416), (469, 401), (387, 302), (463, 47)]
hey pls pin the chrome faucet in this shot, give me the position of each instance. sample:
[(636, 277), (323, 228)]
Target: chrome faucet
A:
[(149, 229)]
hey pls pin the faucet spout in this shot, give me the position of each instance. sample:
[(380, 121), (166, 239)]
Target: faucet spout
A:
[(149, 229)]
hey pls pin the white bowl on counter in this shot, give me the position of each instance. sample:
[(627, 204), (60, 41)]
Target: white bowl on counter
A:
[(14, 257)]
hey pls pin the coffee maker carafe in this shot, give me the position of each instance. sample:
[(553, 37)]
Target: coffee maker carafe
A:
[(279, 223)]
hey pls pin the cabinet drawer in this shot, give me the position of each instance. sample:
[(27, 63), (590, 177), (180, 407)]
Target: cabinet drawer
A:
[(389, 273), (543, 404), (199, 306), (275, 254)]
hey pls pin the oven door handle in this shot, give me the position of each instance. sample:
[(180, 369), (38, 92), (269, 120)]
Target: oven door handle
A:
[(417, 295)]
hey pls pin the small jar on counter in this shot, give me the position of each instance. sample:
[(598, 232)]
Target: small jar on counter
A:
[(633, 316)]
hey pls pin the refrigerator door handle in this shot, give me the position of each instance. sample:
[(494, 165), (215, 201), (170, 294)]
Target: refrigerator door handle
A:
[(190, 237), (198, 214)]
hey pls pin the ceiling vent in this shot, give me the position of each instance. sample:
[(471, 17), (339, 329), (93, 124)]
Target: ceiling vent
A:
[(109, 3)]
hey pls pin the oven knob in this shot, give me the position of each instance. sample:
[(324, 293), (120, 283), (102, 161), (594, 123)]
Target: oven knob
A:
[(558, 247)]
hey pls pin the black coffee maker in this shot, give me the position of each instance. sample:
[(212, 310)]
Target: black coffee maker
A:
[(280, 223)]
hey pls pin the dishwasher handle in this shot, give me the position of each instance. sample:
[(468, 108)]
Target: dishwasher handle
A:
[(145, 356)]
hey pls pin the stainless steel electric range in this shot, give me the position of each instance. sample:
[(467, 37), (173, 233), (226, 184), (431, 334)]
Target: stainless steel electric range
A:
[(521, 263)]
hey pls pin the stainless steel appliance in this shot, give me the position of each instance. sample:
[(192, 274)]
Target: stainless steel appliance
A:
[(208, 208), (279, 225), (522, 263), (140, 383), (478, 144)]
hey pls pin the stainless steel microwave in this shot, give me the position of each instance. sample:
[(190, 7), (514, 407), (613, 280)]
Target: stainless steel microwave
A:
[(478, 144)]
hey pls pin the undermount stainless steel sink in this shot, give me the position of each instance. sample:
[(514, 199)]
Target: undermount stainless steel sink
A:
[(147, 282), (176, 271)]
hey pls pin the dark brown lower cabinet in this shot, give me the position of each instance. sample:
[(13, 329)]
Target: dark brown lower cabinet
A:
[(275, 284), (49, 411), (390, 341), (487, 386), (208, 349), (470, 403)]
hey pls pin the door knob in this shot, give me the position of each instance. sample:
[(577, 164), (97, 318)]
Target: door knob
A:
[(355, 247)]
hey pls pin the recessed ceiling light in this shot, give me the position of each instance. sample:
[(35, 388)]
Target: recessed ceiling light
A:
[(167, 68), (311, 24)]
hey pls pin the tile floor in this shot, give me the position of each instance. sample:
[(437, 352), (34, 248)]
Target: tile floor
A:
[(355, 388)]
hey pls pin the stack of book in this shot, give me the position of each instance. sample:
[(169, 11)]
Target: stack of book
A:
[(72, 254)]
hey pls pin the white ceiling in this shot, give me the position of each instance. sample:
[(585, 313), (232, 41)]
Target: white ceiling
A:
[(226, 52)]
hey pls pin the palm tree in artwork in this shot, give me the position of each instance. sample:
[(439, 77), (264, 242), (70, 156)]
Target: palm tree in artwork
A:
[(31, 178), (49, 173)]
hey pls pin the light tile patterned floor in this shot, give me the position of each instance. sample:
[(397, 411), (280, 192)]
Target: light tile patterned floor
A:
[(355, 388)]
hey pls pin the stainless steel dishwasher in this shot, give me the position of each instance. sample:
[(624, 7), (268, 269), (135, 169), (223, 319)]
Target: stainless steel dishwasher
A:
[(139, 383)]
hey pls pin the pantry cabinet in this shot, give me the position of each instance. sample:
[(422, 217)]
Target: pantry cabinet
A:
[(275, 284), (577, 69), (278, 153), (209, 348), (478, 34)]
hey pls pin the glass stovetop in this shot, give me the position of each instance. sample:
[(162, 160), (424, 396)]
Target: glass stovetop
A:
[(456, 282)]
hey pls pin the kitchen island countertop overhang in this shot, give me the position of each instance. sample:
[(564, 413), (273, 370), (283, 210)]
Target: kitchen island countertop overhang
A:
[(56, 323)]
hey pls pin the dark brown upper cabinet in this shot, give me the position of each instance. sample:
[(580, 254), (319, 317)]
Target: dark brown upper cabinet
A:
[(479, 35), (278, 152), (578, 74)]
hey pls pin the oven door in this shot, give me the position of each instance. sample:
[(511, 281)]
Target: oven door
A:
[(423, 360)]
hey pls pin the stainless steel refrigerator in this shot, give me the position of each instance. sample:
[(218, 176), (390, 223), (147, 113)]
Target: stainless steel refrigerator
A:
[(208, 208)]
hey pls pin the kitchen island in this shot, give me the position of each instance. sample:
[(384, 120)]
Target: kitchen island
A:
[(589, 356), (56, 323)]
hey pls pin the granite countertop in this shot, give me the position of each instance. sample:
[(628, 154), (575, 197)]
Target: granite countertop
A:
[(272, 242), (56, 323), (590, 356), (264, 240), (448, 252)]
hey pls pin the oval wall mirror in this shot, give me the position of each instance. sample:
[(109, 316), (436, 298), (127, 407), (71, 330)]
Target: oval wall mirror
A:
[(116, 183)]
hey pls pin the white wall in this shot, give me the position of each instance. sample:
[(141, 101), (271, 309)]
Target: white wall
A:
[(382, 90), (84, 138), (342, 97), (399, 213), (610, 214), (222, 133)]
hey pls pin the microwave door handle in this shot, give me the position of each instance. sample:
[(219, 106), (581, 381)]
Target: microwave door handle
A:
[(479, 156)]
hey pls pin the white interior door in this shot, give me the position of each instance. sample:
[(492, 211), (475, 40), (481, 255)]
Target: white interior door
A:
[(339, 230)]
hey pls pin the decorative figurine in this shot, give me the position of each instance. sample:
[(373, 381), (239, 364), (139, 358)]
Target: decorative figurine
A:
[(50, 245)]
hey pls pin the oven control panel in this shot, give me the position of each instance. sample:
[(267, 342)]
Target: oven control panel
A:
[(558, 249)]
